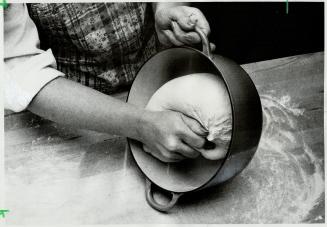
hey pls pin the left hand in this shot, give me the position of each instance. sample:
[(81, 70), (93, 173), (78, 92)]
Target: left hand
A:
[(175, 25)]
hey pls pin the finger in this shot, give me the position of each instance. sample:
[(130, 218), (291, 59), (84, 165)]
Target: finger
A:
[(195, 126), (212, 47), (190, 16), (192, 139), (167, 156), (163, 39), (147, 149), (182, 16), (187, 151), (201, 21), (156, 154), (215, 154), (163, 155), (170, 35), (185, 37), (173, 156)]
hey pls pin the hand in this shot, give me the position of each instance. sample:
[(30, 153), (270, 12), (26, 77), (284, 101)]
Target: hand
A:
[(175, 25), (171, 136)]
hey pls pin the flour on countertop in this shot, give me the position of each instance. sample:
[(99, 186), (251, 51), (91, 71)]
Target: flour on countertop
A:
[(283, 182), (287, 176)]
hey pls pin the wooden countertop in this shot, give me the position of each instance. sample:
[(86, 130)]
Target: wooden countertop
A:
[(59, 175)]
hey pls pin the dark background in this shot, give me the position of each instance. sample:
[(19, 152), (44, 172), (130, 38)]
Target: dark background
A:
[(255, 31)]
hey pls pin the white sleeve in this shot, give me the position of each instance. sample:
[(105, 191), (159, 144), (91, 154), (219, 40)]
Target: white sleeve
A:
[(27, 68)]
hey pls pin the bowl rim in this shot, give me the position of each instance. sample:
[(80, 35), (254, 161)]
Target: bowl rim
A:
[(229, 150)]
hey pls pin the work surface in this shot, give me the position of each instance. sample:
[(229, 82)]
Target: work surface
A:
[(59, 175)]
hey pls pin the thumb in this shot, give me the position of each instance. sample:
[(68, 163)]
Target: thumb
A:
[(183, 18), (191, 17), (186, 23)]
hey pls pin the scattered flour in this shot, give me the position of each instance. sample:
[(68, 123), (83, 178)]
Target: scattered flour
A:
[(288, 177), (283, 182)]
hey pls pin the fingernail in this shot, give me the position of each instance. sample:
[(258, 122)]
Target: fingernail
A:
[(204, 131)]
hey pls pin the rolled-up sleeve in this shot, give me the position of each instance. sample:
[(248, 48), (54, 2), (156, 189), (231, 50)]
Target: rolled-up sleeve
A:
[(27, 68)]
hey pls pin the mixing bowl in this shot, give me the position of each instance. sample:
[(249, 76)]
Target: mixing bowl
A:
[(197, 174)]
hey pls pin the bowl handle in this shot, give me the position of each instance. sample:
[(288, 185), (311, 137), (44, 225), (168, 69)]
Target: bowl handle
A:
[(151, 201), (205, 42), (204, 39)]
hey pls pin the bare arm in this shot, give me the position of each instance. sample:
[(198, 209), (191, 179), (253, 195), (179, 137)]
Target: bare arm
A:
[(168, 135), (71, 103)]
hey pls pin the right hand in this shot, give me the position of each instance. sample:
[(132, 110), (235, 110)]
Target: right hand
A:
[(171, 136), (175, 25)]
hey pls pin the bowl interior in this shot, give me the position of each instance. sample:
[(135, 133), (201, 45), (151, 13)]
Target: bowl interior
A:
[(189, 174)]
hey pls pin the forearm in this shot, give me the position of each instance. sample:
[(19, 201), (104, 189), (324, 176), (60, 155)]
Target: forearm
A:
[(70, 103)]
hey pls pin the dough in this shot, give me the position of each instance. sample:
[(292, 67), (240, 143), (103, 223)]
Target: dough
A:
[(204, 97)]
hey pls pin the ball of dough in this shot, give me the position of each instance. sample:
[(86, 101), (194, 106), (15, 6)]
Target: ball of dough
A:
[(204, 97)]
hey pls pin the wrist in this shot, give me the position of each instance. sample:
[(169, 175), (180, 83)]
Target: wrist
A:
[(143, 120)]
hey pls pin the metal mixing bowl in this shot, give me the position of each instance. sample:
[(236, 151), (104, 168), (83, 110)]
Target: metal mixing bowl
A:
[(196, 174)]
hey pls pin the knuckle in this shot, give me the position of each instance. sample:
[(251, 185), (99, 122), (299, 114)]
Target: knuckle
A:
[(171, 145), (180, 36), (189, 39), (196, 10), (199, 143)]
